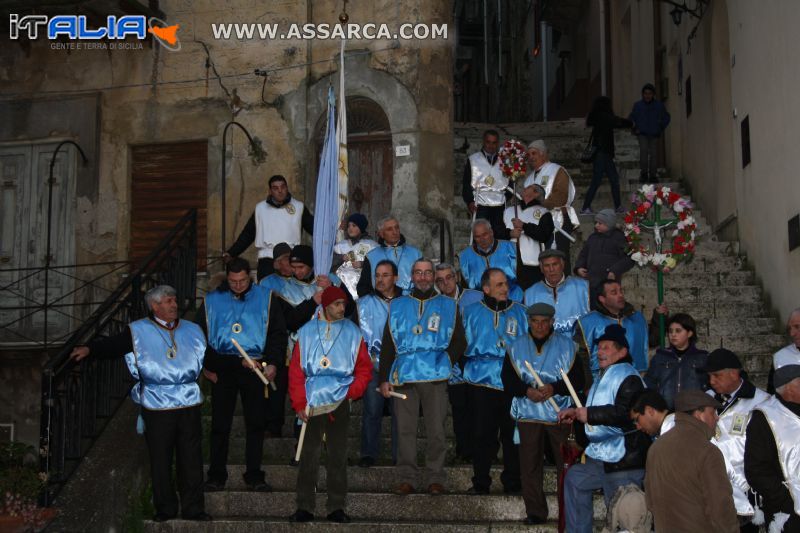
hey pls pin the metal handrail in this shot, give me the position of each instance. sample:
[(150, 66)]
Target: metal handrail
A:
[(78, 399)]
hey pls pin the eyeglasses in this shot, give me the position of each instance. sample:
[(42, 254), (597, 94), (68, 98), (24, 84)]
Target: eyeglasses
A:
[(426, 273), (448, 277)]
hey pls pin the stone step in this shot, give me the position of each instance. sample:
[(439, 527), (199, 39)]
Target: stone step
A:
[(238, 428), (283, 478), (381, 506), (281, 450), (741, 293), (281, 525)]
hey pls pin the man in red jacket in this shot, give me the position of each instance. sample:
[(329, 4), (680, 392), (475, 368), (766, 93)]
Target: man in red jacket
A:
[(330, 366)]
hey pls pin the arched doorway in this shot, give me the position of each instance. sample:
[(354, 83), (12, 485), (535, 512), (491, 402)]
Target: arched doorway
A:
[(370, 158)]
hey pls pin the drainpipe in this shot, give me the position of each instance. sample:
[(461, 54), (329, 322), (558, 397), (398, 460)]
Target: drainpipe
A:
[(602, 4), (544, 51), (485, 44)]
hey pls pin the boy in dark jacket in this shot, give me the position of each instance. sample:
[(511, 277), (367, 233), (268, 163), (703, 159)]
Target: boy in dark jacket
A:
[(604, 255)]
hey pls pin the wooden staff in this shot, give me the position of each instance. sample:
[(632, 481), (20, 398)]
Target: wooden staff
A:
[(302, 436), (253, 365), (571, 388), (394, 394), (539, 382)]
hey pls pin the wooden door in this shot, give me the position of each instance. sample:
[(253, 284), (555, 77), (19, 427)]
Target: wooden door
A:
[(370, 159), (25, 170), (167, 179)]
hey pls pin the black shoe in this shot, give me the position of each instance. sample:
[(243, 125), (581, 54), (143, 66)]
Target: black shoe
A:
[(159, 517), (339, 516), (532, 520), (199, 517), (301, 515), (259, 486), (475, 490), (366, 462), (213, 486)]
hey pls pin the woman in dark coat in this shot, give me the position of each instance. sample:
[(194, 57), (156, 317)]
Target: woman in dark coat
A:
[(680, 366), (603, 121)]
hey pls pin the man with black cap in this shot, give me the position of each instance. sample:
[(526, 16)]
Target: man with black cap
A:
[(772, 448), (686, 486), (349, 254), (616, 452), (282, 268), (546, 352), (737, 397), (650, 118), (279, 218), (330, 367), (300, 295), (613, 309), (569, 295), (530, 225)]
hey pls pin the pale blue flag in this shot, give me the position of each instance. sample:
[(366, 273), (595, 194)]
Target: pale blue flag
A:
[(326, 215)]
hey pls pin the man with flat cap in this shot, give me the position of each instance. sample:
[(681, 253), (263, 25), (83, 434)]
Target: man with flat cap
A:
[(279, 218), (686, 486), (546, 352), (569, 295), (772, 448), (737, 397), (616, 452)]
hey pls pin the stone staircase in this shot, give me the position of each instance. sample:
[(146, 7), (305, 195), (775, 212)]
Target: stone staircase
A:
[(717, 289)]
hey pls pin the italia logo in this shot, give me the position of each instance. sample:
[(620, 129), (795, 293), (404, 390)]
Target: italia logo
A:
[(76, 27)]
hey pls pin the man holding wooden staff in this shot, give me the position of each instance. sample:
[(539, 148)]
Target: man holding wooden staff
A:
[(616, 452), (248, 314), (420, 343), (330, 365), (531, 374)]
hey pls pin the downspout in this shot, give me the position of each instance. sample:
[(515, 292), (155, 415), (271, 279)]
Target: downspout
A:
[(544, 51)]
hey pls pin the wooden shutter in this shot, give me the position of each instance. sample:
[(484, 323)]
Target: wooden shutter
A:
[(167, 180)]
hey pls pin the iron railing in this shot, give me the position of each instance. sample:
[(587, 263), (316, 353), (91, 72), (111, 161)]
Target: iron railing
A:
[(78, 399)]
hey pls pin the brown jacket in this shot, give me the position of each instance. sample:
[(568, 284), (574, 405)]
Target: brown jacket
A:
[(685, 482)]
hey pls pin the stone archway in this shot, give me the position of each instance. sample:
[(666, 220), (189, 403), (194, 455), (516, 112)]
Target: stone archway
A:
[(370, 158)]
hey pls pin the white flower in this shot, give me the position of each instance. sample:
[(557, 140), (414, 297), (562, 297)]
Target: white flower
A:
[(639, 258), (658, 201)]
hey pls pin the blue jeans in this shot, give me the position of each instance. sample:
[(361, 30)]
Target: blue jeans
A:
[(581, 481), (371, 417), (603, 164)]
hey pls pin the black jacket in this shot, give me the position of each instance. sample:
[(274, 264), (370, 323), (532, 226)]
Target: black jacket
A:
[(603, 253), (603, 125), (670, 372), (618, 415)]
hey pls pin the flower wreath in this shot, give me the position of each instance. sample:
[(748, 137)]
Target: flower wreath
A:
[(512, 158), (683, 233)]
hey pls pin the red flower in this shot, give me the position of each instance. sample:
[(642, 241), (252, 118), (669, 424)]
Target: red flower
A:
[(674, 197), (629, 218)]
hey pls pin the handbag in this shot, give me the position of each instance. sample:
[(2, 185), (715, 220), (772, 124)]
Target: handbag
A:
[(587, 156)]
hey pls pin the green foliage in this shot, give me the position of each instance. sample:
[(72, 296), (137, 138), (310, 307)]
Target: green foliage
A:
[(140, 508), (19, 472)]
